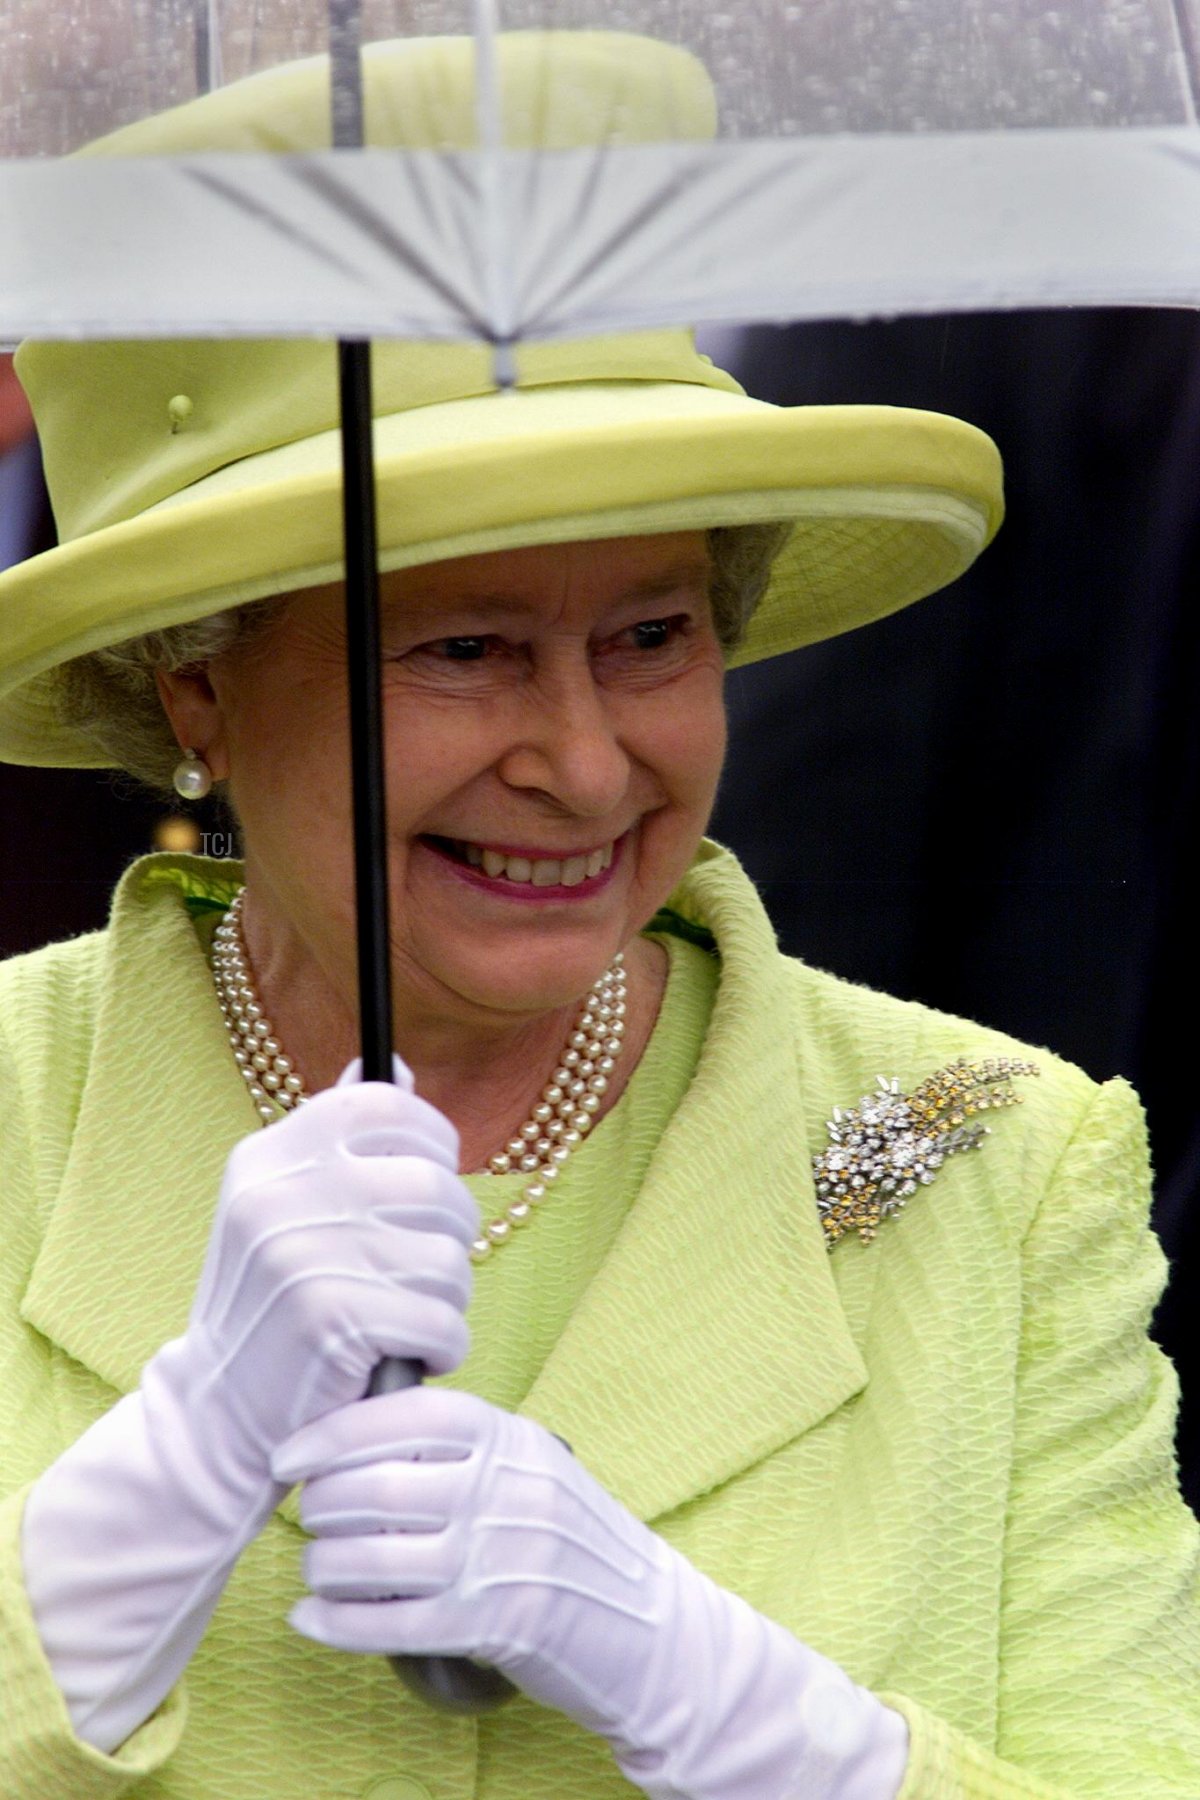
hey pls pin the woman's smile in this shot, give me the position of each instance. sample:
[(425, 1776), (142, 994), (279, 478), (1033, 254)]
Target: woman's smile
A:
[(525, 873)]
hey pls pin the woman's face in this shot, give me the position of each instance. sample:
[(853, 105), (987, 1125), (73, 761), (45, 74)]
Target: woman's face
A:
[(554, 734)]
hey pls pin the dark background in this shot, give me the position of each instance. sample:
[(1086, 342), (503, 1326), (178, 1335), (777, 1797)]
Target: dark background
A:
[(989, 802)]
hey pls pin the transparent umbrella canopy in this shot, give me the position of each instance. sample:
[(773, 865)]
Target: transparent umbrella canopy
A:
[(864, 157), (850, 158)]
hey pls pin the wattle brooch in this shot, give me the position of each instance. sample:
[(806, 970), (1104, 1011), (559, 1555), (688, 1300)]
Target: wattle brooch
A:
[(887, 1146)]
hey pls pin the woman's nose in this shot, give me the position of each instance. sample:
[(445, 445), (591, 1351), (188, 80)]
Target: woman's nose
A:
[(568, 747)]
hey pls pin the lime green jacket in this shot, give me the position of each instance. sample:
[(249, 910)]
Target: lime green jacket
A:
[(944, 1458)]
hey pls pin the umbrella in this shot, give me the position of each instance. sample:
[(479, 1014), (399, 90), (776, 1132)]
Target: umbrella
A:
[(871, 157)]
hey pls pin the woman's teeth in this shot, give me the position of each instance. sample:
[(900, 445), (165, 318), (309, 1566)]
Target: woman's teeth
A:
[(544, 872)]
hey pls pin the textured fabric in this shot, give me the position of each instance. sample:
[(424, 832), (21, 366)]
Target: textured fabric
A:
[(943, 1459)]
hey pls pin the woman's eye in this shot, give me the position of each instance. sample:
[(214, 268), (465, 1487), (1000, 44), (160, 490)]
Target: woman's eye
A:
[(652, 634), (461, 649)]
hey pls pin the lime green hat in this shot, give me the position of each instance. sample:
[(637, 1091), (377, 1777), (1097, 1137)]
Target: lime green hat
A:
[(188, 477)]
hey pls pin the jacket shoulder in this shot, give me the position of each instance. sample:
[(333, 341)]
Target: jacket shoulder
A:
[(847, 1036), (855, 1025)]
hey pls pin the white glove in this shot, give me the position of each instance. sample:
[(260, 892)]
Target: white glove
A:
[(445, 1526), (341, 1236)]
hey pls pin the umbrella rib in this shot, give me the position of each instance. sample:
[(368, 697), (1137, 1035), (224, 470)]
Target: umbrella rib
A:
[(584, 206), (625, 228), (320, 181), (263, 215), (318, 177)]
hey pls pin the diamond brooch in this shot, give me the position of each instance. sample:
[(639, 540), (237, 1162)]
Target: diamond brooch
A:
[(887, 1146)]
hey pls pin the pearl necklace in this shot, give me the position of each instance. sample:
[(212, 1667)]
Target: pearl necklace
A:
[(275, 1084), (557, 1125)]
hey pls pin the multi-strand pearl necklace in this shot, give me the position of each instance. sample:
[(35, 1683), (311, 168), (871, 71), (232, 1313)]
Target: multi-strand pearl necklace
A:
[(275, 1084), (556, 1126), (563, 1115)]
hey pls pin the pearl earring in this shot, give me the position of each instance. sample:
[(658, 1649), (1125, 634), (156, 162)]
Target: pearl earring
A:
[(192, 777)]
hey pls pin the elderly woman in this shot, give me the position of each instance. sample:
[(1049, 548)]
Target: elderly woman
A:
[(864, 1500)]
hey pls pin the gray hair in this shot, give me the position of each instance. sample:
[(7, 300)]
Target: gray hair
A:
[(111, 698)]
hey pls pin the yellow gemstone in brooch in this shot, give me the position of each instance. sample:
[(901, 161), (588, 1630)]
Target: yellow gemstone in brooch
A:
[(887, 1146)]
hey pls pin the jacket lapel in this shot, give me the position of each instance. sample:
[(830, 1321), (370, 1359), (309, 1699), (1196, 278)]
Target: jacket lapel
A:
[(713, 1334), (162, 1106)]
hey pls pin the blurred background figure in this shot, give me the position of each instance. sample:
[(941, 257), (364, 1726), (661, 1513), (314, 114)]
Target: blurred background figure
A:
[(24, 512), (990, 802)]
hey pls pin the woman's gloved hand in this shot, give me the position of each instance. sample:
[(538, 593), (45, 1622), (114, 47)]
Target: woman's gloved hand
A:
[(341, 1237), (445, 1526)]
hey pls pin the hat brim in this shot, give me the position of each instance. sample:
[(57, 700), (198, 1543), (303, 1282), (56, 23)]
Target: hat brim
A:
[(887, 505)]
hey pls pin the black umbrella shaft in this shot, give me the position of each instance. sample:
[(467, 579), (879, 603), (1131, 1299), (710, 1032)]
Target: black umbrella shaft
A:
[(366, 715)]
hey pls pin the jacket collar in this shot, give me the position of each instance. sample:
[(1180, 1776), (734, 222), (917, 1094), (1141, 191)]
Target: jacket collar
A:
[(712, 1335)]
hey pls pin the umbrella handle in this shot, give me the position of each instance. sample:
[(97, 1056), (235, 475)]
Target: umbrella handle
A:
[(450, 1683)]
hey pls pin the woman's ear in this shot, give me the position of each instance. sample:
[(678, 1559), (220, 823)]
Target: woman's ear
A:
[(195, 715)]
